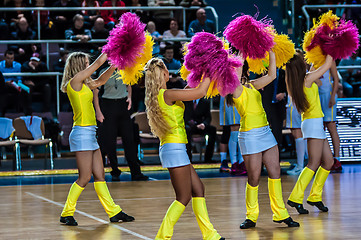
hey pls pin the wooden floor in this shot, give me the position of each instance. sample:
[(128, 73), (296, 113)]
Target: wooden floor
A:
[(32, 212)]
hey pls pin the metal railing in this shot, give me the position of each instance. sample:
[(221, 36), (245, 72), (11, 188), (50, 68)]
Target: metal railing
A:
[(57, 81), (305, 7), (57, 9)]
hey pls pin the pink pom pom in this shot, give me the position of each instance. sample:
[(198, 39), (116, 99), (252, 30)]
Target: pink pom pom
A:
[(125, 41), (339, 42), (206, 56), (251, 37)]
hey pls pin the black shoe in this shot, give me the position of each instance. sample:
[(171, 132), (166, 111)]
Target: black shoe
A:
[(140, 177), (319, 205), (121, 216), (289, 221), (222, 238), (247, 224), (299, 207), (70, 221)]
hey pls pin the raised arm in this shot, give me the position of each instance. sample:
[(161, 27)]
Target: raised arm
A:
[(172, 95), (98, 112), (312, 76), (102, 79), (81, 76), (336, 81), (271, 75)]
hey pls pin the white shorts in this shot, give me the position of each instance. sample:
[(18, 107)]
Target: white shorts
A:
[(256, 140), (173, 155), (313, 128)]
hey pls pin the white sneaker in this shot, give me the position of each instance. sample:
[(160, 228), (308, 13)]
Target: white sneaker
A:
[(295, 171)]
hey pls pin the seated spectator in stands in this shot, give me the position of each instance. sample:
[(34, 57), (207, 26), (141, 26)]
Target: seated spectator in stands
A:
[(63, 19), (12, 84), (23, 51), (174, 32), (197, 119), (60, 64), (12, 17), (111, 17), (351, 78), (37, 84), (78, 33), (46, 27), (90, 15), (175, 81), (191, 14), (162, 17), (143, 15), (201, 24), (99, 32), (156, 37)]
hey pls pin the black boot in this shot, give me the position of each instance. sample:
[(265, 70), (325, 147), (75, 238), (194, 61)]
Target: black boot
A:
[(299, 207), (247, 224), (70, 221), (319, 205), (222, 238), (121, 216), (289, 221)]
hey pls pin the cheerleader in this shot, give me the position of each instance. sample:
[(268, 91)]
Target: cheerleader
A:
[(328, 98), (258, 145), (229, 118), (165, 111), (320, 157), (77, 83)]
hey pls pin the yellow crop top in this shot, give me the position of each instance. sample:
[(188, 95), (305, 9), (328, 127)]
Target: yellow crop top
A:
[(249, 106), (174, 117), (314, 110), (82, 104)]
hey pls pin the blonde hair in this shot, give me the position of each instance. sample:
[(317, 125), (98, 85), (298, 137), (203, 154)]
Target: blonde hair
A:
[(75, 63), (154, 80)]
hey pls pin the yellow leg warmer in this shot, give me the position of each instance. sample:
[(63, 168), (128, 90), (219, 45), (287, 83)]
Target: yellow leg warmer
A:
[(73, 195), (200, 210), (317, 186), (277, 205), (174, 212), (106, 200), (252, 203), (298, 191)]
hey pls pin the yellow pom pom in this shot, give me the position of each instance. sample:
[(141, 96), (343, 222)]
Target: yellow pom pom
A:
[(329, 19), (225, 44), (284, 49), (184, 72), (258, 66), (212, 90), (131, 75), (315, 57)]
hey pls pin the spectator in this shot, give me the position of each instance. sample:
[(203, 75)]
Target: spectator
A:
[(191, 13), (201, 24), (63, 19), (174, 32), (60, 64), (23, 51), (162, 18), (99, 32), (45, 25), (13, 17), (79, 33), (175, 81), (111, 17), (12, 84), (143, 15), (350, 77), (156, 37), (197, 119), (38, 84), (90, 15)]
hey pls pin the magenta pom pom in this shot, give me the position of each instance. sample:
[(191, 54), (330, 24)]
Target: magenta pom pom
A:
[(251, 37), (207, 57), (125, 41), (340, 42)]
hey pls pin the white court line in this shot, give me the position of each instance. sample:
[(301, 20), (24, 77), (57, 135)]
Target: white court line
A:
[(150, 178), (91, 216)]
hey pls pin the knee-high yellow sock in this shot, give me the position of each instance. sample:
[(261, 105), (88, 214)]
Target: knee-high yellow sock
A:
[(106, 200), (298, 191), (174, 212), (200, 210), (317, 186), (252, 203), (277, 205), (73, 195)]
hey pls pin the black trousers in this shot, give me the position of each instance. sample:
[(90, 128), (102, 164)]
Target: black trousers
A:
[(276, 114), (117, 119), (211, 131)]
